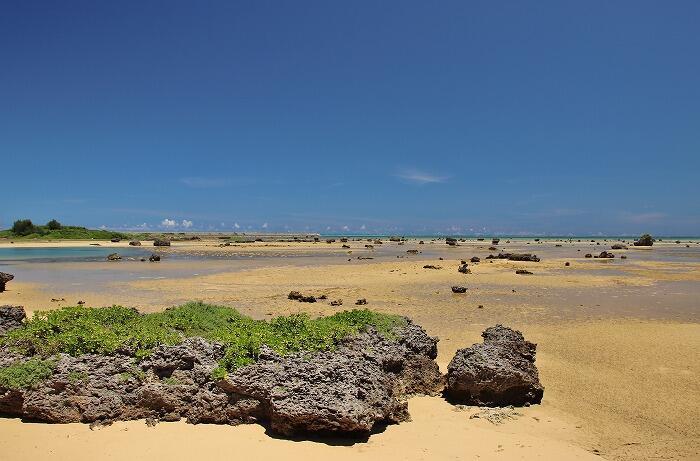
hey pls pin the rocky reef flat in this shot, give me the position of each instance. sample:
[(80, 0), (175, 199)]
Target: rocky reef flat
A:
[(609, 331)]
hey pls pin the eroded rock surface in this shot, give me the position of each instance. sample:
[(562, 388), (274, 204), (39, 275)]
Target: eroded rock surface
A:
[(497, 372), (11, 317), (4, 278), (363, 382)]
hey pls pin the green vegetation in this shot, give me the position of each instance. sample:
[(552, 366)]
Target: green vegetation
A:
[(135, 373), (54, 230), (53, 225), (76, 377), (23, 375), (80, 330)]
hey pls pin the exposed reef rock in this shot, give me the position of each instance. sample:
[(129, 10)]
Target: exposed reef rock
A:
[(515, 257), (4, 278), (11, 317), (497, 372), (161, 243), (347, 390), (645, 240)]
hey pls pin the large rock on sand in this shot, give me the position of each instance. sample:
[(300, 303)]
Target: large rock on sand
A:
[(11, 317), (361, 383), (498, 372), (4, 278), (645, 240)]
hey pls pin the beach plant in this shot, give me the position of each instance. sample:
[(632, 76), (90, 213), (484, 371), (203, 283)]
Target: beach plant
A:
[(26, 374), (53, 230), (23, 227), (53, 225), (117, 329)]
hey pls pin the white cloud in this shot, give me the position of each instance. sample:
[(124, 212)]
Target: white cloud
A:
[(236, 225), (363, 227), (264, 226), (186, 224), (644, 218), (168, 223), (142, 226), (346, 228), (103, 227), (420, 177)]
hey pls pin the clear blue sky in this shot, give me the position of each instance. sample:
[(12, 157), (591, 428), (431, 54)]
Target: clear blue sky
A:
[(393, 117)]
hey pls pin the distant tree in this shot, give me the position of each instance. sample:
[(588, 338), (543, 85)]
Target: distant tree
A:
[(23, 227), (53, 225)]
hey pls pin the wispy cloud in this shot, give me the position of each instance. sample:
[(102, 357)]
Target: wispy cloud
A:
[(414, 176), (643, 218), (199, 182)]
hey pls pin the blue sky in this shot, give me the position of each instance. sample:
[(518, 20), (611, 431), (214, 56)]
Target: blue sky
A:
[(547, 117)]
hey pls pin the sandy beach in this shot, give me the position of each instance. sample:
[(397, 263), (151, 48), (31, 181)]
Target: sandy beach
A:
[(618, 343)]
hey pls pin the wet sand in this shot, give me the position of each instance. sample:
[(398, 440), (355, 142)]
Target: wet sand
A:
[(618, 343)]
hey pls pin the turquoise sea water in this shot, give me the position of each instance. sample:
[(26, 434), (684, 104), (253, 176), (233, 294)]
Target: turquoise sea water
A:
[(8, 255)]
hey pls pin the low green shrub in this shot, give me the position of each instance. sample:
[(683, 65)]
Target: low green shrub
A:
[(108, 330), (24, 375)]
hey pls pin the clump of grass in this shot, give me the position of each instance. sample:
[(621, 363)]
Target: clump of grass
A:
[(108, 330), (75, 377), (24, 375)]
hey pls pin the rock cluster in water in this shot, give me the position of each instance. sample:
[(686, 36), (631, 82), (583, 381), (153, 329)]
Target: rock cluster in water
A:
[(515, 257)]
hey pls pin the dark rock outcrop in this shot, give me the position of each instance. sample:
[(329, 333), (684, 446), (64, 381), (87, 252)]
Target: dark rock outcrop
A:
[(464, 269), (515, 257), (113, 257), (451, 241), (135, 243), (645, 240), (497, 372), (459, 289), (619, 246), (161, 243), (523, 272), (4, 278), (431, 266), (154, 258), (348, 390), (296, 296), (11, 317)]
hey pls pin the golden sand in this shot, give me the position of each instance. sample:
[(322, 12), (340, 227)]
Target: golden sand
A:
[(618, 354)]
